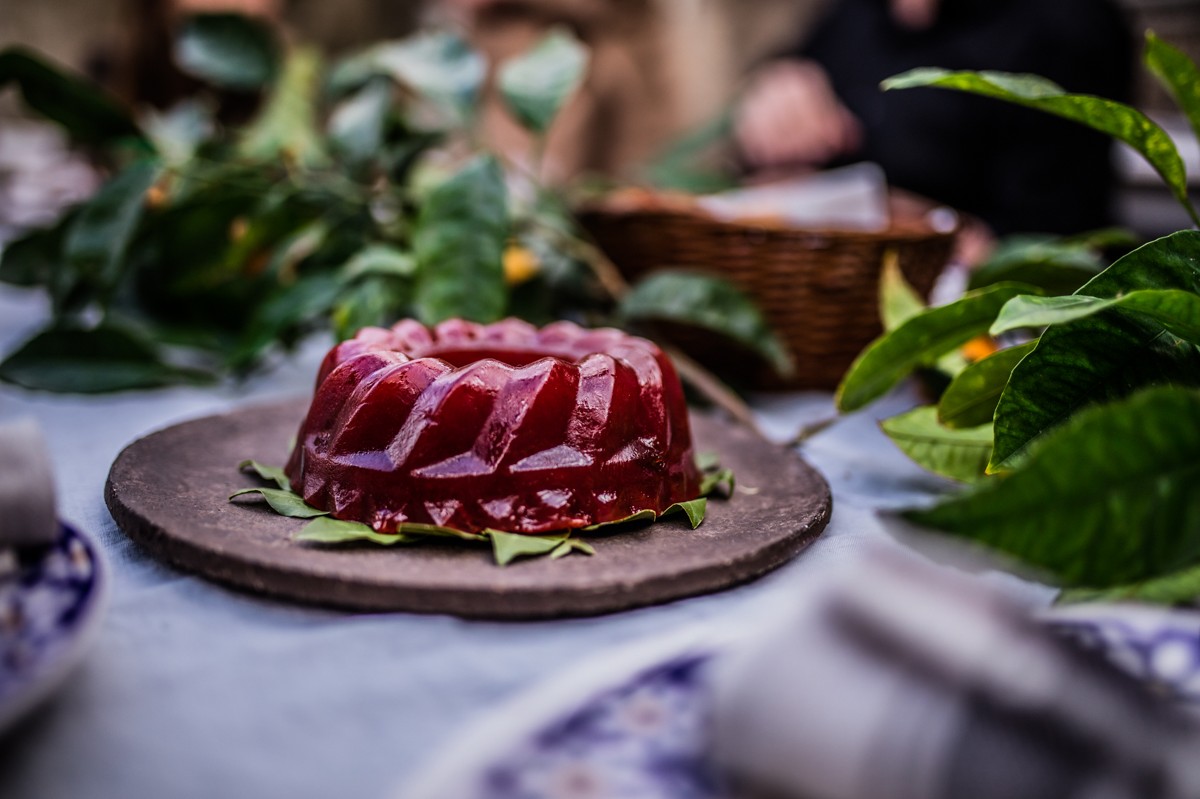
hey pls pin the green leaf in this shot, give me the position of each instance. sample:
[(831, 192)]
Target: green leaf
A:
[(79, 106), (506, 547), (535, 84), (435, 531), (1171, 262), (459, 246), (328, 530), (970, 399), (1107, 499), (920, 341), (695, 510), (228, 50), (374, 301), (440, 67), (98, 238), (106, 358), (286, 126), (706, 302), (1102, 238), (283, 315), (638, 516), (958, 454), (178, 133), (1175, 311), (1102, 358), (283, 501), (1107, 116), (898, 300), (358, 124), (1178, 75), (1105, 356), (1175, 588), (380, 259), (31, 259), (272, 473), (711, 480), (1055, 265)]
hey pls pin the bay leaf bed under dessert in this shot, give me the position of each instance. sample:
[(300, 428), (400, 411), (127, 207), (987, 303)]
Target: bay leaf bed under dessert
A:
[(168, 492)]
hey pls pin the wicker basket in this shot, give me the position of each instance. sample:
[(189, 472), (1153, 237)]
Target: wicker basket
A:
[(818, 289)]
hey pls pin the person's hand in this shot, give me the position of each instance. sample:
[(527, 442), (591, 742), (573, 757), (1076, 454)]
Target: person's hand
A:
[(915, 15), (790, 115), (270, 9)]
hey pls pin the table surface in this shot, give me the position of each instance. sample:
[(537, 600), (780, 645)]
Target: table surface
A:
[(196, 690)]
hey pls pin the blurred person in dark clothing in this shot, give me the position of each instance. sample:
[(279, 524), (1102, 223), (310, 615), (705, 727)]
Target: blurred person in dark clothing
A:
[(1017, 169)]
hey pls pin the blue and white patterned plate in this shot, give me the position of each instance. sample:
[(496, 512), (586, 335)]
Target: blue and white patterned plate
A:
[(50, 607), (635, 725), (631, 725), (1159, 646)]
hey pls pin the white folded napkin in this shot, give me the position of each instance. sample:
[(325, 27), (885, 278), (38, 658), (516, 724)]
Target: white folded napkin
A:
[(897, 679), (27, 508), (848, 198)]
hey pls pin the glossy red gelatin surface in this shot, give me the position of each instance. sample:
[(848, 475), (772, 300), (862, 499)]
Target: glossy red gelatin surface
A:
[(504, 426)]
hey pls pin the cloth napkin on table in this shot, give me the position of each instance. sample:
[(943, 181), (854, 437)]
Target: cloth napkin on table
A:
[(897, 679), (27, 508)]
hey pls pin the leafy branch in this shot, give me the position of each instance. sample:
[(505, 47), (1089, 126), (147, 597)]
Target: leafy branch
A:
[(357, 195), (1080, 439)]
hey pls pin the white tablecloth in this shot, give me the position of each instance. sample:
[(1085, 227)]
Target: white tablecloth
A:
[(196, 690)]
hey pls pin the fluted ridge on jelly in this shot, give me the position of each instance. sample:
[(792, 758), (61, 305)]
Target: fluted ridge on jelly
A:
[(507, 426)]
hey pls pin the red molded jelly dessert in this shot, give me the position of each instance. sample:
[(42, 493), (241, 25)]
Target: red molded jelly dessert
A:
[(506, 426)]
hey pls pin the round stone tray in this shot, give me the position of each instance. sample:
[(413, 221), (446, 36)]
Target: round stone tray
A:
[(168, 492)]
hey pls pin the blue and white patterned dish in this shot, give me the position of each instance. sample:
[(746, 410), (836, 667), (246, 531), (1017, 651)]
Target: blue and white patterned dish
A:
[(1159, 646), (50, 607), (635, 725), (629, 725)]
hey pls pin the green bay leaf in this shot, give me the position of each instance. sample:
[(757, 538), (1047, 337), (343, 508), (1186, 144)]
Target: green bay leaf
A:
[(712, 480), (1105, 500), (709, 303), (286, 125), (960, 454), (970, 399), (232, 51), (328, 530), (91, 361), (640, 516), (284, 502), (439, 67), (534, 85), (1176, 311), (1170, 262), (82, 108), (1107, 355), (1178, 75), (898, 300), (99, 237), (507, 547), (695, 509), (1103, 357), (1176, 588), (273, 473), (920, 341), (1107, 116), (459, 246), (1056, 265)]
